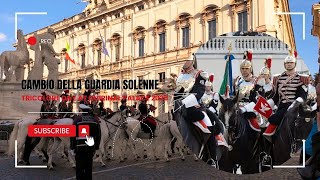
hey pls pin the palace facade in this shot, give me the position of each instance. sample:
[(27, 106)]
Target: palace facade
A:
[(150, 39)]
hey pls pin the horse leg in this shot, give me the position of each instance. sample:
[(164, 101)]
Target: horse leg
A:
[(66, 143), (29, 146), (52, 150)]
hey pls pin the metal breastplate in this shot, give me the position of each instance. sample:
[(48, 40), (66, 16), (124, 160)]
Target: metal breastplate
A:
[(206, 99), (244, 89), (185, 81), (311, 92)]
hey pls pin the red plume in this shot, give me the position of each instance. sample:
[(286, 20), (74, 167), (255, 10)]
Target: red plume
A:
[(268, 62), (66, 91), (249, 55), (211, 78), (295, 54)]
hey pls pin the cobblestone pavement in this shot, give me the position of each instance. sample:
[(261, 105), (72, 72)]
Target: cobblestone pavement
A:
[(142, 169)]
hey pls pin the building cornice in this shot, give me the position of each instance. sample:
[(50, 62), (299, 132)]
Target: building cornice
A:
[(316, 20)]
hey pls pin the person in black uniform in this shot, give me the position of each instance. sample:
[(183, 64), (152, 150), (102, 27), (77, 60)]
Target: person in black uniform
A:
[(79, 144), (124, 106), (145, 118)]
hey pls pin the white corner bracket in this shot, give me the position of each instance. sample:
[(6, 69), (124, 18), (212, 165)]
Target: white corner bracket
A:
[(23, 13), (16, 159), (303, 158), (303, 21)]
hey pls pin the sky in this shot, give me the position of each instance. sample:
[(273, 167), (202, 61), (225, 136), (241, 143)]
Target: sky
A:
[(60, 9)]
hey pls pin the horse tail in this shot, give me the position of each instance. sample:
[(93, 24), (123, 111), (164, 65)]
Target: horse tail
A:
[(13, 137)]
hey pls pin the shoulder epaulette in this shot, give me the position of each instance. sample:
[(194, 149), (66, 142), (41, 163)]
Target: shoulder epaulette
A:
[(304, 78)]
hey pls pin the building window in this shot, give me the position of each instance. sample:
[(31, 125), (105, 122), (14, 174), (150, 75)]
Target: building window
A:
[(99, 57), (212, 29), (141, 47), (117, 52), (162, 42), (83, 60), (117, 15), (141, 7), (161, 1), (185, 37), (162, 76), (243, 21), (115, 41), (83, 27)]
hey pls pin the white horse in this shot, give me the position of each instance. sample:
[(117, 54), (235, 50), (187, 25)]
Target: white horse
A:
[(19, 133)]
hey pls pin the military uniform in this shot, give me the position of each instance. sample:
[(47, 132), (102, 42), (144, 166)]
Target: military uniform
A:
[(84, 153), (147, 122), (287, 90)]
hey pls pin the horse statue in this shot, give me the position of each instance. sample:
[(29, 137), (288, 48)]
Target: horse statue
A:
[(241, 139), (12, 62)]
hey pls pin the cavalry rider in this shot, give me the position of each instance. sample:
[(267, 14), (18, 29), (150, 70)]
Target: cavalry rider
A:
[(147, 121), (87, 126), (210, 99), (63, 107), (245, 85), (45, 107), (288, 88), (192, 81)]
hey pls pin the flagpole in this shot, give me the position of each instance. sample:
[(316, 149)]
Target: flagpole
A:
[(230, 69)]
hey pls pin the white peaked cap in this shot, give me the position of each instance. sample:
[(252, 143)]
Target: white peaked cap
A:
[(190, 101), (82, 106)]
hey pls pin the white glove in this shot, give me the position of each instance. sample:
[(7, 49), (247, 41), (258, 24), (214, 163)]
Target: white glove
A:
[(299, 99), (314, 107), (212, 109), (248, 108), (271, 103), (216, 96)]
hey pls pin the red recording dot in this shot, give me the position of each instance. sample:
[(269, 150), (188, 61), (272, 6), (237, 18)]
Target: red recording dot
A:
[(32, 40)]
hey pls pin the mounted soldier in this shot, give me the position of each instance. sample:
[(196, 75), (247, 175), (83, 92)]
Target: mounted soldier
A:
[(147, 121), (45, 107), (192, 81), (246, 86), (63, 107), (210, 99), (288, 88)]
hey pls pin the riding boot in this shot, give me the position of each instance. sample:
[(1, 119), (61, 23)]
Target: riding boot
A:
[(212, 147)]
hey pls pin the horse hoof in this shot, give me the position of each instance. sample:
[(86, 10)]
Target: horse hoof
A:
[(121, 160), (168, 160), (103, 165), (182, 159), (157, 159), (125, 158), (53, 164), (74, 166), (40, 156), (169, 155), (145, 156), (51, 167), (44, 160)]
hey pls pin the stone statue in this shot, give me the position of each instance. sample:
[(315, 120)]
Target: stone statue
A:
[(15, 60), (46, 55)]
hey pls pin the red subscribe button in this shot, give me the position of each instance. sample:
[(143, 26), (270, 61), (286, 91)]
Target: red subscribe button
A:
[(52, 131)]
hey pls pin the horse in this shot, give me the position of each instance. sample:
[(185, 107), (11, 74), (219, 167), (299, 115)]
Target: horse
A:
[(31, 143), (292, 129), (130, 131), (15, 60), (193, 139), (240, 137)]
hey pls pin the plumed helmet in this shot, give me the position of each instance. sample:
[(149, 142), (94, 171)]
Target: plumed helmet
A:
[(289, 59), (245, 64), (264, 71)]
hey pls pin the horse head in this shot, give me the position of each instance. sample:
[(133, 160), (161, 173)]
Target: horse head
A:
[(117, 119), (228, 110)]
